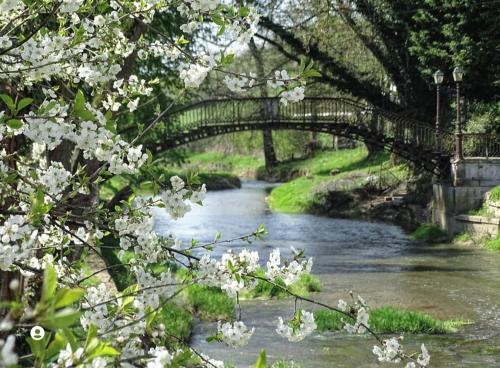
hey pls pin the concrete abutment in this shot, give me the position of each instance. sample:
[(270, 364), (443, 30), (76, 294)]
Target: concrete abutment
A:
[(464, 191)]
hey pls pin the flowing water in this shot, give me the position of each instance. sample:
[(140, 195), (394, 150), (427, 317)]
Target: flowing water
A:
[(377, 261)]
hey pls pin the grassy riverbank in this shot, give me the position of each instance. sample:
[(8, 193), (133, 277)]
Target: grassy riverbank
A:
[(391, 320), (218, 162), (344, 171), (139, 183)]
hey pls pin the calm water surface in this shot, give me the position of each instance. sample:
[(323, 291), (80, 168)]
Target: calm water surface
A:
[(377, 261)]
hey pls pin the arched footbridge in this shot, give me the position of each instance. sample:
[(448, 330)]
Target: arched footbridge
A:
[(415, 141)]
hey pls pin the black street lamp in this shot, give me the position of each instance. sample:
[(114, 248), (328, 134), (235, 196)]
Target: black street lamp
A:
[(438, 80), (458, 75)]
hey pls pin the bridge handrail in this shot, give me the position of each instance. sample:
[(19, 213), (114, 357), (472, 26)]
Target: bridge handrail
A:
[(352, 102)]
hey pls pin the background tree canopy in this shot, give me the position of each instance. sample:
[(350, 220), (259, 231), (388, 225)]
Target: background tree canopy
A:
[(396, 42)]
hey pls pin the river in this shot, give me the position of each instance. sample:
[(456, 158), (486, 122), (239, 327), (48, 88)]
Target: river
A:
[(375, 260)]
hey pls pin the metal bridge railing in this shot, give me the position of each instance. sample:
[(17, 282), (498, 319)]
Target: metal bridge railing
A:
[(391, 127)]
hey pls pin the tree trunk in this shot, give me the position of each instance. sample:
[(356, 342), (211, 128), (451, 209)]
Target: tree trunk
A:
[(267, 134)]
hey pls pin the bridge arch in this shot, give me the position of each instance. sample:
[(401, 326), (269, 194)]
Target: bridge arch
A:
[(415, 141)]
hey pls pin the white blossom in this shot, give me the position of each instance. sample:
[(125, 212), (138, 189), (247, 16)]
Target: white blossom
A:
[(234, 334), (296, 330), (290, 272), (295, 95), (8, 355), (161, 357)]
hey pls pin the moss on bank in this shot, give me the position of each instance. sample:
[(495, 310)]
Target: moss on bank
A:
[(391, 320)]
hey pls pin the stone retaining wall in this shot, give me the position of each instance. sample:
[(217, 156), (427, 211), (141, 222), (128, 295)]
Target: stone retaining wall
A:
[(478, 226)]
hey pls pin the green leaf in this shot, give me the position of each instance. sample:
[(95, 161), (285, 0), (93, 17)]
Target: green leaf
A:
[(9, 102), (79, 107), (228, 59), (70, 337), (38, 207), (42, 110), (49, 283), (85, 115), (59, 343), (91, 334), (217, 19), (38, 347), (79, 101), (150, 157), (111, 125), (261, 360), (302, 65), (310, 65), (25, 102), (149, 187), (14, 124), (221, 31), (64, 318), (182, 41), (311, 73), (243, 11), (65, 297), (102, 349)]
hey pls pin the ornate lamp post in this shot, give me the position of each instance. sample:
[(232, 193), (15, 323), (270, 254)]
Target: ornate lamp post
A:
[(438, 80), (458, 74)]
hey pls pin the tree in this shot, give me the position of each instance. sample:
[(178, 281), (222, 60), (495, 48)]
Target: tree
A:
[(409, 40), (267, 134)]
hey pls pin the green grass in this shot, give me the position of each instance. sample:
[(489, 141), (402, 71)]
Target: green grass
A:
[(306, 284), (209, 303), (239, 165), (178, 322), (495, 194), (353, 166), (285, 364), (429, 233), (391, 320), (462, 237), (481, 211), (493, 244)]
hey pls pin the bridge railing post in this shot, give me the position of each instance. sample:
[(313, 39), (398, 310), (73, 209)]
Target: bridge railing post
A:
[(278, 110)]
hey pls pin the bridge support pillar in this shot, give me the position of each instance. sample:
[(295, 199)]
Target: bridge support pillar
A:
[(470, 179)]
